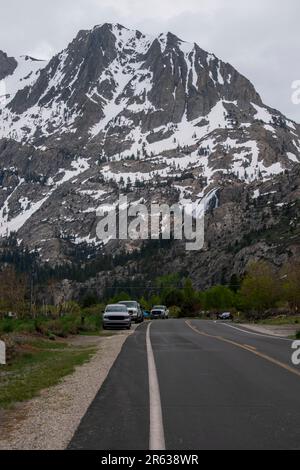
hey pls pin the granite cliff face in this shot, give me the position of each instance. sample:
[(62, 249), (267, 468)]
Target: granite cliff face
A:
[(7, 65), (119, 112)]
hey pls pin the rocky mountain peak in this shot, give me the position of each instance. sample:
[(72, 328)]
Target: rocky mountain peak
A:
[(7, 65), (118, 110)]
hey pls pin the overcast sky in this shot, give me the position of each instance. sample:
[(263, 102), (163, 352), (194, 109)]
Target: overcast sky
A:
[(259, 37)]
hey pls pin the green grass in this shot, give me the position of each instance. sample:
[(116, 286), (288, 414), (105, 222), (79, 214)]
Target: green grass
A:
[(289, 320), (63, 326), (32, 371), (36, 362), (45, 344), (19, 326)]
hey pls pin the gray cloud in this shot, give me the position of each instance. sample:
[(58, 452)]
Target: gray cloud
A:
[(260, 38)]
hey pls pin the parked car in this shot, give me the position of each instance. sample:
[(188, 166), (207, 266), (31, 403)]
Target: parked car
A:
[(159, 311), (146, 314), (116, 316), (134, 310), (225, 316)]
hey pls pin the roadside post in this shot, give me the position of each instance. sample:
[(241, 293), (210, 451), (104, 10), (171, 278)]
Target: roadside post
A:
[(2, 353)]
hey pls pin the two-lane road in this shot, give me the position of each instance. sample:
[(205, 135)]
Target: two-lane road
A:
[(218, 387)]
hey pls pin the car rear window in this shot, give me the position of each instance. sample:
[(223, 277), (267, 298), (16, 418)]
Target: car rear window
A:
[(129, 304), (116, 308)]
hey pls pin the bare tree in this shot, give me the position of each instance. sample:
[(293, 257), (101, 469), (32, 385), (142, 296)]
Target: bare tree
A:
[(291, 284), (13, 288)]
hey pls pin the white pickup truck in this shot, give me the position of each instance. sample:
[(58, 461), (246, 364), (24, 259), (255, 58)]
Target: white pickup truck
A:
[(159, 311), (134, 310)]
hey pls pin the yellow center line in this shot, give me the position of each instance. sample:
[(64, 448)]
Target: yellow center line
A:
[(251, 347), (246, 347)]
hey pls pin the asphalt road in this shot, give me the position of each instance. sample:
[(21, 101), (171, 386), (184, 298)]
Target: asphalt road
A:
[(217, 387)]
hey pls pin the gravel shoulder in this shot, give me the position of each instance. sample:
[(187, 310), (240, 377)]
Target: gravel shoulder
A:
[(284, 331), (49, 421)]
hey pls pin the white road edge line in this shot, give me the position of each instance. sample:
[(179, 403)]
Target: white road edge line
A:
[(157, 437), (256, 334)]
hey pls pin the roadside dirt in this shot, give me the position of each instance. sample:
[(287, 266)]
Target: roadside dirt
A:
[(285, 331), (49, 421)]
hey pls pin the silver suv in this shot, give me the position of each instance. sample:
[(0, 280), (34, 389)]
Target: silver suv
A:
[(134, 310), (159, 311), (116, 316)]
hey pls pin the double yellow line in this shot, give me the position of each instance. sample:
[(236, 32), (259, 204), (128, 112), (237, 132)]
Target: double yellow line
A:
[(246, 347)]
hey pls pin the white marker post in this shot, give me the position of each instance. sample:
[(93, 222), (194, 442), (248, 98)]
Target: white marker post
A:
[(2, 353), (296, 354), (2, 93)]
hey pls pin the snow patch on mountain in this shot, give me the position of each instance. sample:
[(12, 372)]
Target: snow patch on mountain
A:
[(262, 114), (25, 74), (29, 208), (292, 157)]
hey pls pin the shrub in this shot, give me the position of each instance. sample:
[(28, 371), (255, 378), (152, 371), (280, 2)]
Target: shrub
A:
[(6, 326), (175, 312), (219, 298), (62, 327), (10, 325), (260, 289), (90, 300), (94, 310), (91, 323)]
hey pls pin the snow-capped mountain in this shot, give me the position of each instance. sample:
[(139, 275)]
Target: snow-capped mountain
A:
[(120, 93), (117, 110)]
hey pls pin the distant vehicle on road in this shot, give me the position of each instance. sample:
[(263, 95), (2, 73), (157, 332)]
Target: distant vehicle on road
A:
[(116, 316), (134, 310), (159, 311), (225, 316), (146, 314)]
